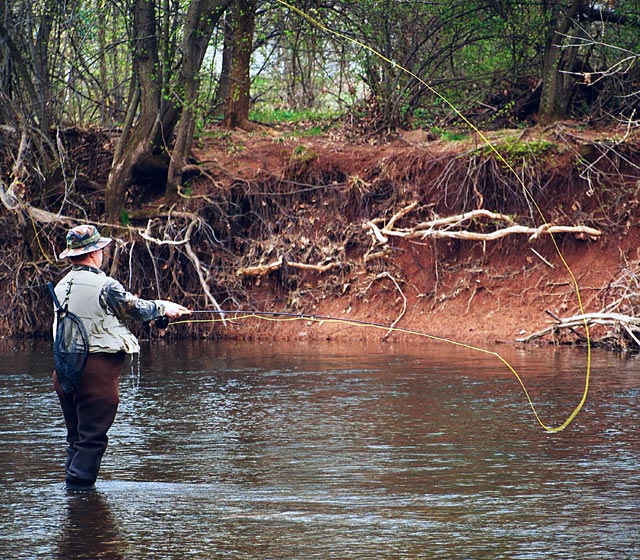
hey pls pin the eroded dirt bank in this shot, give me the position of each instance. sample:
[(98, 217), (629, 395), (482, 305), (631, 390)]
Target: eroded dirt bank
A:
[(445, 238), (478, 296), (471, 290)]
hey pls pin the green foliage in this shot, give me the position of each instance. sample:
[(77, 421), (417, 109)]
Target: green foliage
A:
[(311, 131), (302, 154), (270, 115), (124, 218), (517, 152), (302, 123), (499, 117), (515, 148), (450, 135)]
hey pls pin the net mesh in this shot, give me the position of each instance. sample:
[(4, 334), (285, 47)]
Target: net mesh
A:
[(70, 349)]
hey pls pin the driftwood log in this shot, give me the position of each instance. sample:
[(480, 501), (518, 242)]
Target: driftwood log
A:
[(629, 324)]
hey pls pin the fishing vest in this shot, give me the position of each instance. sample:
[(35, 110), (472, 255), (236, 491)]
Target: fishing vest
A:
[(106, 332)]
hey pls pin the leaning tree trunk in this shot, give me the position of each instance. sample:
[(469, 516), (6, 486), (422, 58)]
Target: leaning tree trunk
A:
[(142, 153), (201, 20)]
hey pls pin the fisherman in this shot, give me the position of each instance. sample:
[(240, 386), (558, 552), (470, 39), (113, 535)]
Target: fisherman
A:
[(103, 305)]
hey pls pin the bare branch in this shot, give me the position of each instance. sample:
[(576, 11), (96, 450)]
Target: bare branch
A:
[(441, 228), (263, 269)]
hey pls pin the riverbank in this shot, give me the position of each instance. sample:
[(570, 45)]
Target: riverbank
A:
[(458, 240), (482, 296)]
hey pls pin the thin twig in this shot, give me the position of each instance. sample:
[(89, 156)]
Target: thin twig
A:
[(404, 302)]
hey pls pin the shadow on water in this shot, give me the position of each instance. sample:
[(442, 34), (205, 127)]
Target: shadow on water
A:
[(329, 451)]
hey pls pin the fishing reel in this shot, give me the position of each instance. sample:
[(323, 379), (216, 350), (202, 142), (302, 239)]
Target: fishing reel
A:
[(162, 322)]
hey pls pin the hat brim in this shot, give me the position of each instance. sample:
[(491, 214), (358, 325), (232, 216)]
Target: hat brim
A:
[(100, 244)]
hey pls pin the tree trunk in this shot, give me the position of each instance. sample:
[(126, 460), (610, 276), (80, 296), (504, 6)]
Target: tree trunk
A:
[(224, 84), (136, 144), (238, 101), (22, 115), (557, 86), (142, 153), (202, 17)]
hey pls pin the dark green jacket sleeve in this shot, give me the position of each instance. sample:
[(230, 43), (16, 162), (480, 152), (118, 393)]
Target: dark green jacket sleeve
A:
[(125, 305)]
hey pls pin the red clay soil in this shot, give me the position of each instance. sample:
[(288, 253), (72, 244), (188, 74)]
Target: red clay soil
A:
[(469, 291), (478, 299)]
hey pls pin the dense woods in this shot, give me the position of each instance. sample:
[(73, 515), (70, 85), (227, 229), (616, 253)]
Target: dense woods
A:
[(103, 100)]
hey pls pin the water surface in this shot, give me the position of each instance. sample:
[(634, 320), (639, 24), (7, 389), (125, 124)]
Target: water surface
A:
[(258, 451)]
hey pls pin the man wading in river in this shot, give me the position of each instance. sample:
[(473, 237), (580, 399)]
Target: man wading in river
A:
[(89, 404)]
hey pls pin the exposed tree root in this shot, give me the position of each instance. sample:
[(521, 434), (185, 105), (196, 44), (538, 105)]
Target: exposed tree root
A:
[(620, 317)]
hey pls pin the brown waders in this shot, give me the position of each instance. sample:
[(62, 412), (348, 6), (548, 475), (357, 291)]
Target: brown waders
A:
[(88, 413)]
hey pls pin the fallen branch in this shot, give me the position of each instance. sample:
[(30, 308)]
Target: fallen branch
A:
[(147, 236), (375, 230), (383, 254), (203, 282), (545, 261), (442, 228), (260, 270), (314, 267), (403, 212), (587, 319), (45, 217), (263, 269), (197, 265), (559, 321)]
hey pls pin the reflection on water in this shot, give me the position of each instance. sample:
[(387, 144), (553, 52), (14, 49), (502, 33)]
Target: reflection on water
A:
[(89, 529), (329, 451)]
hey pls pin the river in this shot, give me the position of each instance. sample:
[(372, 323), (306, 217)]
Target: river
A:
[(322, 451)]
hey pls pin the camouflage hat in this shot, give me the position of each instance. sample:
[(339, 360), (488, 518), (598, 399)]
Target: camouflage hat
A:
[(84, 239)]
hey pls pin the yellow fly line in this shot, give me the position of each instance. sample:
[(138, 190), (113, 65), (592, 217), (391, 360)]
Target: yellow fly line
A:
[(289, 317), (350, 322), (574, 281)]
